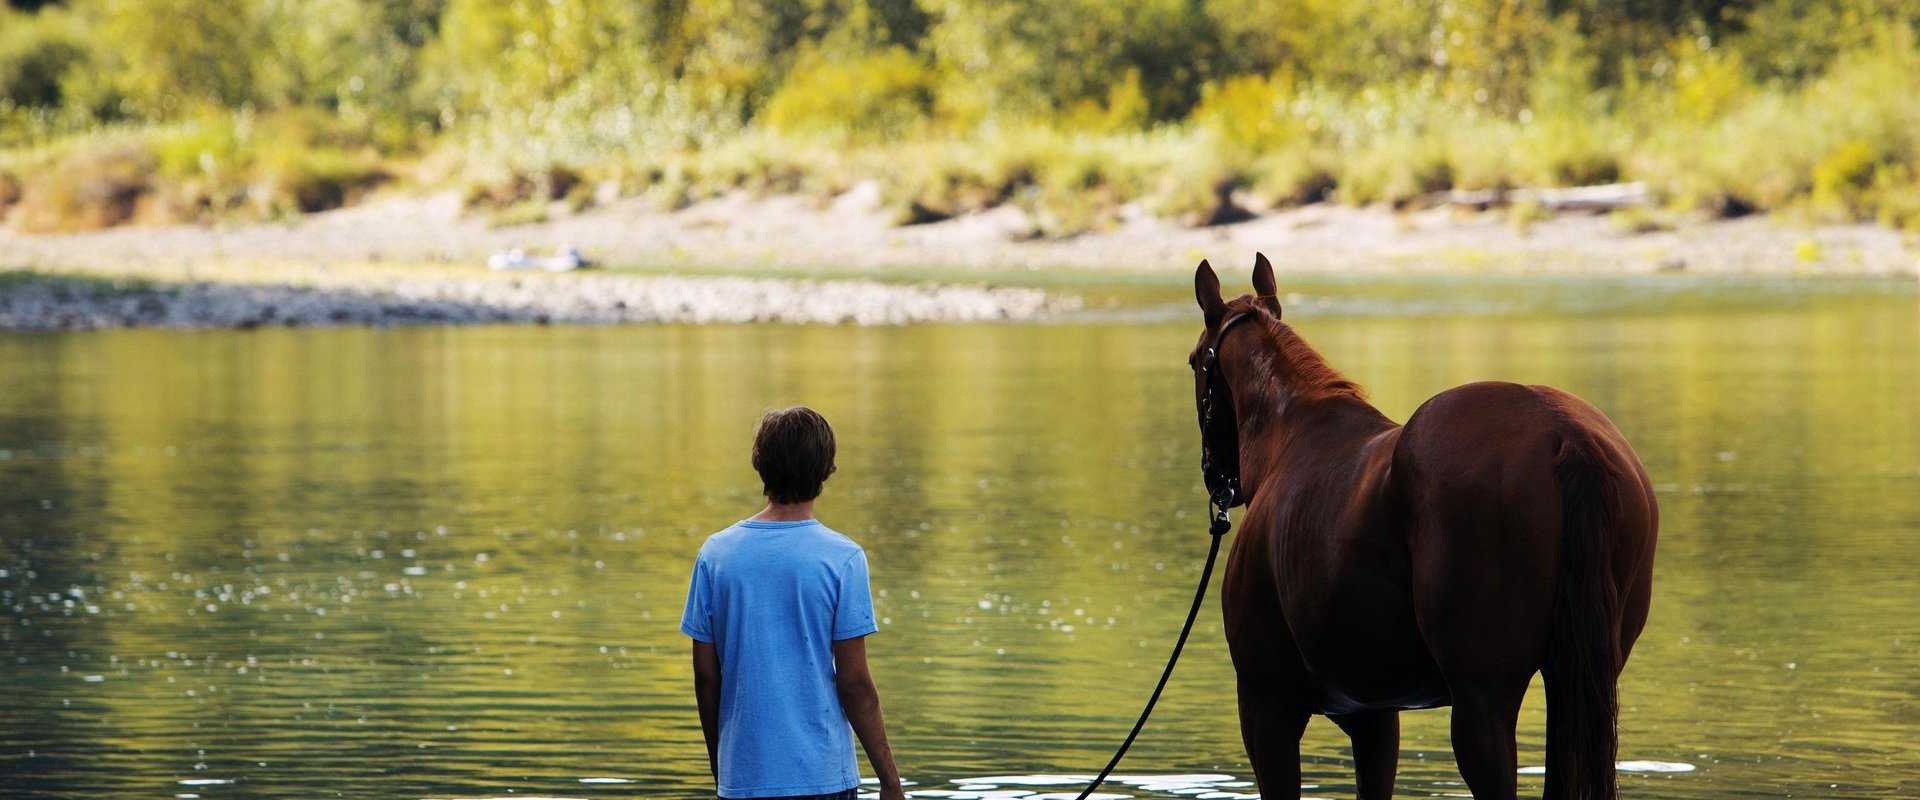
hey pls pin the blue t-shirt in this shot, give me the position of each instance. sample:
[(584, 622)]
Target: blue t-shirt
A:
[(772, 598)]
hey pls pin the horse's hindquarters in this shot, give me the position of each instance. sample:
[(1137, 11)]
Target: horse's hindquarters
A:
[(1475, 468), (1532, 530)]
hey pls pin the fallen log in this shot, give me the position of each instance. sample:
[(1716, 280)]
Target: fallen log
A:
[(1605, 197)]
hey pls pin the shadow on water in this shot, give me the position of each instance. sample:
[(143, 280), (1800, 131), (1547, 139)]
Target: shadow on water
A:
[(450, 562)]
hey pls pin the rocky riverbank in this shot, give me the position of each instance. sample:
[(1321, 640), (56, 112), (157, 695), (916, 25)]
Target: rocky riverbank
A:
[(41, 301)]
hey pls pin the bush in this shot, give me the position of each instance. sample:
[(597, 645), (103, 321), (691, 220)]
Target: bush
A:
[(1569, 153), (1896, 200), (1842, 179), (321, 179), (37, 54), (93, 188), (872, 98), (1398, 171), (1248, 111), (517, 185), (937, 183), (209, 148), (9, 192), (1294, 178)]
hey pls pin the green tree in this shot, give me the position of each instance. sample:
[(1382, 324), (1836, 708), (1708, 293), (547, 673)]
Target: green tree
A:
[(342, 55), (1046, 57), (1335, 43), (178, 54), (38, 53)]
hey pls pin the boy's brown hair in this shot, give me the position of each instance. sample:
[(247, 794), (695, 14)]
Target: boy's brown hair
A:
[(793, 452)]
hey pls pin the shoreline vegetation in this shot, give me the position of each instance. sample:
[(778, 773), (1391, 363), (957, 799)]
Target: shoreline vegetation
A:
[(887, 136), (154, 112)]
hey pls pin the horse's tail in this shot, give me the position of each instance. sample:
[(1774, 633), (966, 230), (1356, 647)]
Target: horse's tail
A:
[(1583, 650)]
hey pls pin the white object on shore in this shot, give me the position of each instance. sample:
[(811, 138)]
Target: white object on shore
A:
[(566, 260), (515, 258)]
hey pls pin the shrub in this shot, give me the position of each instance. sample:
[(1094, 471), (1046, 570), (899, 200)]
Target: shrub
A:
[(95, 187), (9, 192), (321, 179), (1568, 153), (1295, 179), (519, 184), (1522, 216), (1248, 111), (37, 54), (1400, 171), (936, 185), (1126, 108), (1842, 179), (869, 98), (1896, 202)]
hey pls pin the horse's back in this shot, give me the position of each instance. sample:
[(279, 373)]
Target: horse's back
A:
[(1502, 440)]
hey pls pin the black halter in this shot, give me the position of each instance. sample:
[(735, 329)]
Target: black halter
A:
[(1228, 492)]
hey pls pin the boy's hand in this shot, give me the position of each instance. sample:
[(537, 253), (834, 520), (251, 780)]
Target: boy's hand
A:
[(861, 703)]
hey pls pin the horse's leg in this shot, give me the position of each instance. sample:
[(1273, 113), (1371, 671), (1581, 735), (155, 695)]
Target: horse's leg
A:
[(1487, 624), (1484, 582), (1271, 726), (1269, 677), (1275, 688), (1484, 716), (1376, 750)]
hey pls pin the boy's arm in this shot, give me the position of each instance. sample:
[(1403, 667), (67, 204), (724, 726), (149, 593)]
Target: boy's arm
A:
[(862, 704), (706, 692)]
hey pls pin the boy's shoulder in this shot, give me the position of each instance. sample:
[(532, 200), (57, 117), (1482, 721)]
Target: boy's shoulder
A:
[(808, 534), (836, 537)]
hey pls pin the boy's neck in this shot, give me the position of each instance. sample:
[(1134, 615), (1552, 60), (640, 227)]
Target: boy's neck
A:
[(785, 512)]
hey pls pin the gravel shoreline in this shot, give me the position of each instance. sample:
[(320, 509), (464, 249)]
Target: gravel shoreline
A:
[(417, 260), (40, 301)]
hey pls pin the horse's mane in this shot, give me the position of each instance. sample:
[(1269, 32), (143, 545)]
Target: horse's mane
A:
[(1309, 377)]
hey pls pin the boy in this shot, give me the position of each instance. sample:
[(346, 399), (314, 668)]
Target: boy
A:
[(778, 611)]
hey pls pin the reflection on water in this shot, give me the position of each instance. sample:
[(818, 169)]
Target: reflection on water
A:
[(449, 563)]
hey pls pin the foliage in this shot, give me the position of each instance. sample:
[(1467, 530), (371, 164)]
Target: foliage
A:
[(1253, 112), (38, 53), (1072, 109), (876, 97), (92, 188)]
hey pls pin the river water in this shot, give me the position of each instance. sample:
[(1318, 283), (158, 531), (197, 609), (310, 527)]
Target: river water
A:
[(426, 563)]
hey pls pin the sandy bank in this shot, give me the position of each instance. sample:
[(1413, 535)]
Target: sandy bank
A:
[(851, 231), (418, 259)]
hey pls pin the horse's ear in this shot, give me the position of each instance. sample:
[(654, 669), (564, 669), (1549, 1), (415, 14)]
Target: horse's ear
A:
[(1206, 289), (1263, 284)]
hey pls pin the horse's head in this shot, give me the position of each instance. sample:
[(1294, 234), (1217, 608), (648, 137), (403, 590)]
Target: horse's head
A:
[(1213, 398)]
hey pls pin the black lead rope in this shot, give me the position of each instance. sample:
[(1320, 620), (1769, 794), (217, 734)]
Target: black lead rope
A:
[(1218, 527), (1222, 499)]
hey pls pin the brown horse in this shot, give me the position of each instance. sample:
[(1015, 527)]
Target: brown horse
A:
[(1503, 530)]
